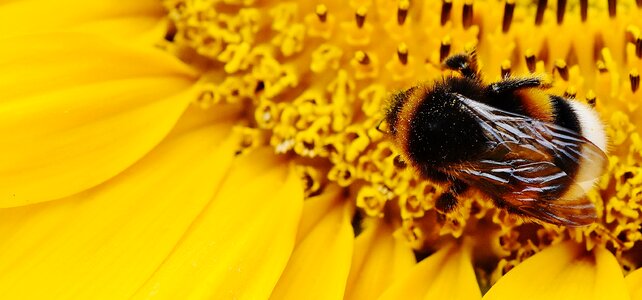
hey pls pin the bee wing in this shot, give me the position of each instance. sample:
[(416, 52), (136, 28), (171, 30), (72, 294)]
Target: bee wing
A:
[(528, 163), (538, 189)]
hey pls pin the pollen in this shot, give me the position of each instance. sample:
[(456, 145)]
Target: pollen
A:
[(312, 80)]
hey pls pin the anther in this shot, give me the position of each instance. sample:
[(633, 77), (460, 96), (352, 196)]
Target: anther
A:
[(444, 48), (590, 98), (541, 8), (360, 16), (584, 10), (446, 7), (562, 68), (634, 78), (509, 8), (467, 14), (530, 60), (638, 47), (362, 58), (505, 68), (612, 8), (561, 9), (402, 53), (322, 12), (402, 11), (639, 3)]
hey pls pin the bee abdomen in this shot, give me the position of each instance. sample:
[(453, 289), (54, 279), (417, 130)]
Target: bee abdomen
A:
[(583, 120)]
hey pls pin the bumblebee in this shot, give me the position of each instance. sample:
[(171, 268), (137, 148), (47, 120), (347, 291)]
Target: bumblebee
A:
[(533, 153)]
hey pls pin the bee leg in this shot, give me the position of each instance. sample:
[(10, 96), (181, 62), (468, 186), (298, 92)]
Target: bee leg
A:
[(510, 85), (447, 201), (465, 63)]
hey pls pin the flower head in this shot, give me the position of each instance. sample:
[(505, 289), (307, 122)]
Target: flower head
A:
[(289, 92)]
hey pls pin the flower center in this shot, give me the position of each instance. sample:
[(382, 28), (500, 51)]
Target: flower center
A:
[(314, 79)]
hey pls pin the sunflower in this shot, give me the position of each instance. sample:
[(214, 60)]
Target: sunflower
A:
[(228, 149)]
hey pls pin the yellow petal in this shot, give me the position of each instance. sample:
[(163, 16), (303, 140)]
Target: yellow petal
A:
[(315, 209), (121, 19), (377, 261), (108, 241), (634, 283), (76, 110), (320, 263), (239, 245), (446, 274), (563, 271)]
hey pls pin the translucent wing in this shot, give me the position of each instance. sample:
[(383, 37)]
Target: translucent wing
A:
[(533, 167)]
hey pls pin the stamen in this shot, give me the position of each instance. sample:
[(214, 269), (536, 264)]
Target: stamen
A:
[(362, 58), (402, 53), (612, 8), (562, 68), (402, 11), (541, 8), (207, 97), (446, 7), (590, 98), (570, 92), (322, 12), (638, 47), (601, 66), (561, 9), (260, 86), (366, 66), (634, 78), (505, 68), (265, 114), (509, 8), (360, 16), (399, 163), (342, 173), (584, 10), (444, 49), (530, 60), (171, 32), (467, 14), (312, 179)]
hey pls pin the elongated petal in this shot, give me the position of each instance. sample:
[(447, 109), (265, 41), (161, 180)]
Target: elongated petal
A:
[(320, 263), (446, 274), (634, 283), (378, 260), (76, 110), (118, 19), (563, 271), (108, 241), (239, 245)]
